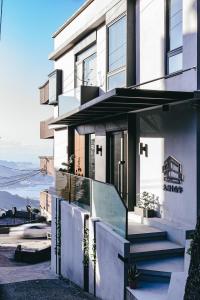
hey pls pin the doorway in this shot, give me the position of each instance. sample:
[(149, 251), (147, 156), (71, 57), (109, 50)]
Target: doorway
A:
[(117, 162)]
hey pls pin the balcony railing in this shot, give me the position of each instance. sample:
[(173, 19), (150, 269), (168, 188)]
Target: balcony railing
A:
[(101, 199), (47, 165), (44, 93), (45, 132), (45, 201)]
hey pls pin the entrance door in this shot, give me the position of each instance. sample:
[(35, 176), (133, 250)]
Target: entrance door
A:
[(117, 173)]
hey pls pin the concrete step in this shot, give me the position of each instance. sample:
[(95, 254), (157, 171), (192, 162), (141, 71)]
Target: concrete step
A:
[(152, 236), (148, 291), (149, 250), (140, 232)]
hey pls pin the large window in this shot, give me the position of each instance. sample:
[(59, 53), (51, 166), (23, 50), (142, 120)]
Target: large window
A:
[(175, 36), (85, 73), (117, 54)]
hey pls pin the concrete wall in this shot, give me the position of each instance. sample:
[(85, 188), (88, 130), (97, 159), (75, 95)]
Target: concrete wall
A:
[(60, 148), (88, 17), (53, 234), (110, 270), (167, 134), (72, 232), (100, 160), (150, 43)]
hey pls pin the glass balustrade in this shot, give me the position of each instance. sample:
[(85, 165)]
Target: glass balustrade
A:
[(101, 199)]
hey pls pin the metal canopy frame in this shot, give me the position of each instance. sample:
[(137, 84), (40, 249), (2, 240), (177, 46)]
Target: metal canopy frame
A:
[(120, 101)]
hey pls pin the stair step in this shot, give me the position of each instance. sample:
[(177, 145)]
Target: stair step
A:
[(155, 250), (153, 236), (160, 269), (149, 291)]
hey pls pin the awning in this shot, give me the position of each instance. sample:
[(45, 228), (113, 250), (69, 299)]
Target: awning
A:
[(118, 102)]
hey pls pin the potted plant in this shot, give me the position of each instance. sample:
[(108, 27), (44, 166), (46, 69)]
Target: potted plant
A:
[(133, 276), (147, 205)]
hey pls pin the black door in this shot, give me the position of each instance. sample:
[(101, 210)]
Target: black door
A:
[(117, 162)]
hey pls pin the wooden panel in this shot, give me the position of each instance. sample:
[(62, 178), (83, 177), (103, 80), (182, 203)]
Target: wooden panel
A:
[(45, 132), (47, 164), (79, 149), (44, 93), (45, 201)]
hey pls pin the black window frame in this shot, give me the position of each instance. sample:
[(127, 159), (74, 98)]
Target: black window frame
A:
[(175, 51), (122, 68)]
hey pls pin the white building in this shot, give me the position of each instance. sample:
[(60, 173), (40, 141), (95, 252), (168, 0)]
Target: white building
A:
[(125, 98)]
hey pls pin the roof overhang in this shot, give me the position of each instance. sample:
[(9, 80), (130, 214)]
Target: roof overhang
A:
[(118, 102)]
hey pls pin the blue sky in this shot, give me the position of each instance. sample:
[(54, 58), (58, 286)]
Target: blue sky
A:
[(26, 42)]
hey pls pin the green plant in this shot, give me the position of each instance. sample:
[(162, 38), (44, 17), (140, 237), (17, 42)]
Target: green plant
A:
[(147, 200), (86, 247), (192, 289), (133, 273), (69, 166)]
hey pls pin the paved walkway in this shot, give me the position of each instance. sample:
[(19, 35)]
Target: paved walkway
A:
[(53, 289)]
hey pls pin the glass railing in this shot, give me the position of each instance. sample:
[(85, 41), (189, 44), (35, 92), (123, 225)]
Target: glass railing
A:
[(108, 205), (74, 189), (100, 199)]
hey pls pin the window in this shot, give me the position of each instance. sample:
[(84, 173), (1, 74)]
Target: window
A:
[(175, 36), (85, 73), (117, 54)]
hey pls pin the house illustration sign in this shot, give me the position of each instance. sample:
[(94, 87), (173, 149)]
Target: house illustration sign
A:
[(173, 175)]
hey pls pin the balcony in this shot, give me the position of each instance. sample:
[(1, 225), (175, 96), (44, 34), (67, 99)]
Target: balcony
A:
[(45, 132), (47, 164), (55, 86), (45, 203), (76, 97), (44, 93)]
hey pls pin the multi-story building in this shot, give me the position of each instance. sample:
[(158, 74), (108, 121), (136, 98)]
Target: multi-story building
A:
[(46, 162), (126, 121)]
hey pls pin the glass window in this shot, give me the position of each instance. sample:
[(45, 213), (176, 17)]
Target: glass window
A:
[(89, 70), (175, 61), (117, 54), (117, 80), (85, 72), (117, 45), (175, 23)]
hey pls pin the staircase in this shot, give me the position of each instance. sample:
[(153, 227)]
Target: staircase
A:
[(156, 258)]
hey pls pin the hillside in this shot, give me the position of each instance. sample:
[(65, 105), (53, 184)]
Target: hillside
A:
[(8, 200)]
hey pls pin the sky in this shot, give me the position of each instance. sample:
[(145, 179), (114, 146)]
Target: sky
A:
[(26, 42)]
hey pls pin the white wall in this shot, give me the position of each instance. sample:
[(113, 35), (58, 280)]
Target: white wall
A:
[(151, 45), (53, 234), (101, 58), (110, 274), (89, 16), (72, 232), (100, 160), (60, 148), (66, 63), (171, 133)]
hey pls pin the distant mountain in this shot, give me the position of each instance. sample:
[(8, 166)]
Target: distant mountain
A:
[(8, 201), (22, 180), (12, 171)]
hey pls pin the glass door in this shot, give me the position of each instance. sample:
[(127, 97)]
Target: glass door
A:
[(117, 174)]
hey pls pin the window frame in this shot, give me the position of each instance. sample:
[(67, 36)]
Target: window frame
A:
[(175, 51), (120, 69), (92, 50)]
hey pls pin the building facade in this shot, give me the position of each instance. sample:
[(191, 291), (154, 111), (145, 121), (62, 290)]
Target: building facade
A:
[(126, 122)]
